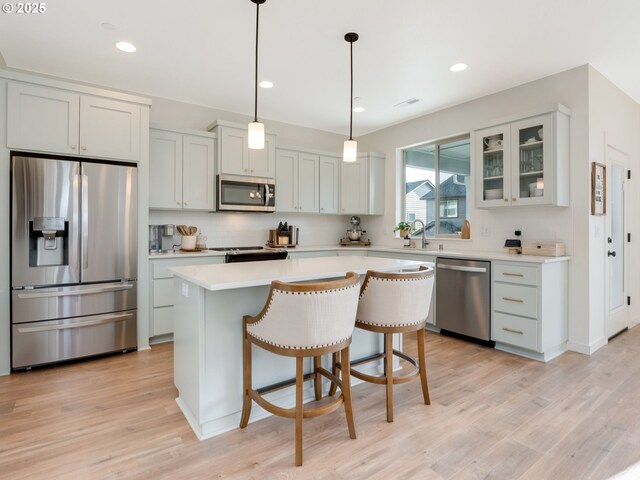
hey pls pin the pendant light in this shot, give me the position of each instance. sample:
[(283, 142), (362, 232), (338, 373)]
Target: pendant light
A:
[(256, 129), (350, 153)]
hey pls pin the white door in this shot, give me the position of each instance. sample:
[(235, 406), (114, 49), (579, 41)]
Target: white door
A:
[(617, 275), (234, 153)]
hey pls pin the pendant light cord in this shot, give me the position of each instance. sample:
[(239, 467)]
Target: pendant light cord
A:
[(255, 113), (351, 110)]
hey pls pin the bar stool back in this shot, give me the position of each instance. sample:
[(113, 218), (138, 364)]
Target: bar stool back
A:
[(304, 320), (395, 303)]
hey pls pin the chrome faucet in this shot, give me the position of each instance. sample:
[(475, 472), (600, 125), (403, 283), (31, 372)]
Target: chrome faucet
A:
[(424, 231)]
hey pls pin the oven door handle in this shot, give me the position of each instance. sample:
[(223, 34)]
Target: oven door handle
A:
[(266, 195)]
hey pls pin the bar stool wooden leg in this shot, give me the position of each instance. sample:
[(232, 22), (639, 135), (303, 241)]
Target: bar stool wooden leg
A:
[(423, 367), (299, 407), (335, 358), (246, 380), (388, 360), (346, 390), (317, 362)]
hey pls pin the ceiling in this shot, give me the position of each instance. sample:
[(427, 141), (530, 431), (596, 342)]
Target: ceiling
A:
[(202, 51)]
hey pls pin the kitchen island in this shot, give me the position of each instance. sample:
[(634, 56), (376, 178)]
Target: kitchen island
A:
[(210, 301)]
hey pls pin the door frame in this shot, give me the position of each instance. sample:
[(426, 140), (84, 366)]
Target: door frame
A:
[(626, 246)]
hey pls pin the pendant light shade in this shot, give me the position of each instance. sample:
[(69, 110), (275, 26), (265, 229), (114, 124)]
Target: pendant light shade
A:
[(350, 153), (256, 129), (256, 135)]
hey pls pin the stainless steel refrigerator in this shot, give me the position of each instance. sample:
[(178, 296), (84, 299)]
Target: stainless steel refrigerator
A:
[(73, 259)]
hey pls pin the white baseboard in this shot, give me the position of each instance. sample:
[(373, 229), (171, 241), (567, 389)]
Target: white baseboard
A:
[(587, 349)]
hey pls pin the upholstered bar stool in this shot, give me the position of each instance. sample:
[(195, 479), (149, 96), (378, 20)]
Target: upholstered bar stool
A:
[(304, 320), (394, 303)]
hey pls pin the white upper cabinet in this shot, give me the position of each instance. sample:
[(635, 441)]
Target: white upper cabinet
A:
[(165, 169), (42, 119), (60, 121), (362, 185), (525, 162), (109, 128), (181, 172), (198, 177), (235, 157), (329, 184), (297, 181)]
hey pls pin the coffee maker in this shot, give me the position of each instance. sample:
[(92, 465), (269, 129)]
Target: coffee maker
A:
[(161, 238)]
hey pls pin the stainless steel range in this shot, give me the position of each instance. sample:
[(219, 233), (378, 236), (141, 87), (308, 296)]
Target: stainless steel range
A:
[(251, 254)]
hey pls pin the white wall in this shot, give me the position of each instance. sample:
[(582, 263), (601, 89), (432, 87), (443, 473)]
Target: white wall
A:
[(613, 120), (565, 224)]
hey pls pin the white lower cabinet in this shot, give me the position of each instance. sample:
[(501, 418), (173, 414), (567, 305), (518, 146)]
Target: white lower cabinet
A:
[(181, 172), (530, 308), (161, 288)]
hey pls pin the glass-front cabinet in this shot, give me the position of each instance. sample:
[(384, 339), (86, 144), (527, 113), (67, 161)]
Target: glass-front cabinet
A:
[(493, 145), (525, 162), (532, 157)]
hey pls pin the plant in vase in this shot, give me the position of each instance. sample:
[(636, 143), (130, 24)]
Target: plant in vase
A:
[(403, 228)]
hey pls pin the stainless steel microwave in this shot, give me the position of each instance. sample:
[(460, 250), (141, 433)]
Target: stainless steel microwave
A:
[(237, 193)]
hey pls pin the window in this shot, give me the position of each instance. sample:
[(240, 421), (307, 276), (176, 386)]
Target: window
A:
[(448, 208), (438, 174)]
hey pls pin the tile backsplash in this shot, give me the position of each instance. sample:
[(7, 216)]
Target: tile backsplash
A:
[(246, 229)]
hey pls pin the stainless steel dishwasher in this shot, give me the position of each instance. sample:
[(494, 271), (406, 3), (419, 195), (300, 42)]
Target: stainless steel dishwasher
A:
[(463, 298)]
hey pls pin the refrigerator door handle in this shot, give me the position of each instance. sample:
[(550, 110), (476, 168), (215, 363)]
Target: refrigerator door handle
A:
[(98, 321), (67, 293), (85, 221)]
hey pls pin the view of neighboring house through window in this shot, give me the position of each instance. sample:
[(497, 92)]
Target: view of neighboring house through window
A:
[(438, 173)]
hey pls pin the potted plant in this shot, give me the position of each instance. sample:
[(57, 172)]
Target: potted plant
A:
[(403, 228)]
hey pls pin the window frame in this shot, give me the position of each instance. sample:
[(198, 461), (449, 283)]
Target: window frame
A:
[(446, 207), (436, 166)]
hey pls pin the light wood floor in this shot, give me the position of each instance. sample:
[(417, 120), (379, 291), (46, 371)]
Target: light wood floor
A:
[(493, 415)]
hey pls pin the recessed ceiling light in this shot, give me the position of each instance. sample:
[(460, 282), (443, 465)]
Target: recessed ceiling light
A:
[(358, 109), (266, 84), (126, 47), (458, 67)]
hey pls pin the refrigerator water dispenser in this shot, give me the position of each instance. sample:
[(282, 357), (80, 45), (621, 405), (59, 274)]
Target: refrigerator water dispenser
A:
[(48, 241)]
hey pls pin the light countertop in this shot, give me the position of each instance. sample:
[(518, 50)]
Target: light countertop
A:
[(471, 254), (252, 274)]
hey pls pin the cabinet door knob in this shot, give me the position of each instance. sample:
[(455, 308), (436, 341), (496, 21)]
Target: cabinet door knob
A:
[(186, 203), (178, 203), (72, 147), (506, 199), (84, 148), (514, 199), (321, 209)]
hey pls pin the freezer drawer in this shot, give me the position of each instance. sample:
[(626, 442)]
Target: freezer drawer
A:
[(62, 302), (45, 342)]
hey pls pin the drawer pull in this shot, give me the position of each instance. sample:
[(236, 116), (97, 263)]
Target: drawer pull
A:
[(517, 300), (519, 332), (509, 274)]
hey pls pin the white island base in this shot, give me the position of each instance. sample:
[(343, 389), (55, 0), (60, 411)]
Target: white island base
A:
[(210, 301)]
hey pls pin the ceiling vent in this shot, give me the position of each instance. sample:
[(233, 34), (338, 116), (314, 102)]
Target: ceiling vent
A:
[(410, 101)]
